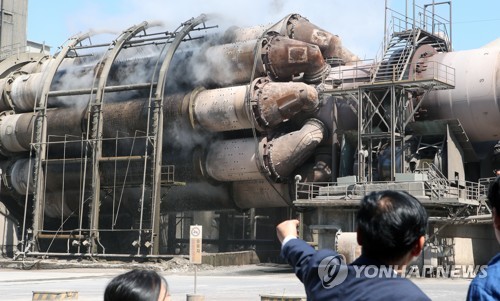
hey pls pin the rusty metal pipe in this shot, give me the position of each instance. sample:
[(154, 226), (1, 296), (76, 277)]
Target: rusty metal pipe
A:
[(237, 159), (225, 109), (285, 58), (301, 29), (296, 27), (279, 57), (286, 153)]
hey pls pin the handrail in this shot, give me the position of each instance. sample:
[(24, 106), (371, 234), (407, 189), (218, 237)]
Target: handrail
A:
[(359, 74), (436, 187)]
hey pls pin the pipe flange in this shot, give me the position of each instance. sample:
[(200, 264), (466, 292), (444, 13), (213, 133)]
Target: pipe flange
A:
[(191, 102), (256, 109)]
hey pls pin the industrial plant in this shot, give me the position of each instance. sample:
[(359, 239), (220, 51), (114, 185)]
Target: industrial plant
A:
[(113, 149)]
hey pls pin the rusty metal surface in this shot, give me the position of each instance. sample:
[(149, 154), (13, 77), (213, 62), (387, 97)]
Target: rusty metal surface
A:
[(231, 64), (301, 29), (286, 153), (286, 58), (278, 102)]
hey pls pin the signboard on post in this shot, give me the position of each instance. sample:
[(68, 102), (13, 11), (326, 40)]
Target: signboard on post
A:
[(195, 236)]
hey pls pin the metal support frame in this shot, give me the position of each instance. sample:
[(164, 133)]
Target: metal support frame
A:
[(381, 113), (40, 139), (92, 141), (95, 126), (157, 104)]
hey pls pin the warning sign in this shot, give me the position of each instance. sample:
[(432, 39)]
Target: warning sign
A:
[(195, 236)]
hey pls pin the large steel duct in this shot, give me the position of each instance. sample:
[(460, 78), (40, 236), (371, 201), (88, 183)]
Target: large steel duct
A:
[(246, 159), (227, 109), (299, 28), (214, 110), (279, 57), (475, 101)]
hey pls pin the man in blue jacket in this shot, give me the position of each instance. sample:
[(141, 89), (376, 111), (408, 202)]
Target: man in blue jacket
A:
[(487, 287), (390, 229)]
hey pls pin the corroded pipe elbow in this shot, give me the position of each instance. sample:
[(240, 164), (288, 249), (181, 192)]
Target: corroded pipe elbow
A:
[(278, 102), (286, 153), (285, 58), (300, 28)]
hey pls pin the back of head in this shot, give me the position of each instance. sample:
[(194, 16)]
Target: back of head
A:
[(389, 224), (135, 285), (494, 195)]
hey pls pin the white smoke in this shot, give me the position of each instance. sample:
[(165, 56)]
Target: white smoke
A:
[(358, 23)]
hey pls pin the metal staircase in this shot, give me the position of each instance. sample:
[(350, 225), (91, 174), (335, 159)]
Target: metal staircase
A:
[(396, 57), (437, 184), (399, 53)]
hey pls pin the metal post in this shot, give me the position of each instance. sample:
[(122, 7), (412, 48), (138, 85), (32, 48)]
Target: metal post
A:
[(406, 15), (413, 13), (171, 233), (385, 26), (360, 140), (195, 276), (393, 132), (335, 144), (433, 16), (451, 27)]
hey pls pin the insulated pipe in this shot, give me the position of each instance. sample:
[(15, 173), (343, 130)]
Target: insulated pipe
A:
[(234, 160), (237, 160), (225, 109), (279, 57)]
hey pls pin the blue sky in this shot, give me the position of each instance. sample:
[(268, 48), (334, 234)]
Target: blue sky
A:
[(359, 23)]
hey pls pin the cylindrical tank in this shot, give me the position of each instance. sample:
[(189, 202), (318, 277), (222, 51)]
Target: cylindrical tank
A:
[(475, 100)]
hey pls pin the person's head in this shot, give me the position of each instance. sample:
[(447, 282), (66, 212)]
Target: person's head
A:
[(494, 201), (391, 226), (137, 285)]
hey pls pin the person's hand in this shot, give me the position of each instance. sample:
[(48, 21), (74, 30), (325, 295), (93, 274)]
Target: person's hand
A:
[(287, 228)]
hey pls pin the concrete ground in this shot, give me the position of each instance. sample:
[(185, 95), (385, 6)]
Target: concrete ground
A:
[(223, 283)]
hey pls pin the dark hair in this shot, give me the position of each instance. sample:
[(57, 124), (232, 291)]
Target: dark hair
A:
[(135, 285), (389, 224), (494, 195)]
